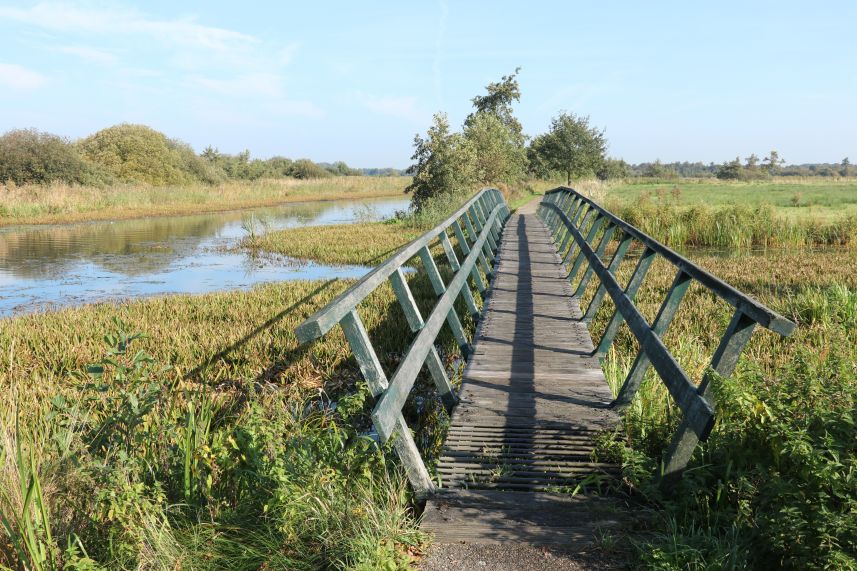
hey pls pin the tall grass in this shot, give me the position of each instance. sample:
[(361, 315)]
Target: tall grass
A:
[(215, 441), (775, 485), (59, 203), (733, 227)]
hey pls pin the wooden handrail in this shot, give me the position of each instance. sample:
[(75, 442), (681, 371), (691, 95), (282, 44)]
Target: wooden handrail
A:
[(762, 315), (324, 319), (477, 227), (561, 211)]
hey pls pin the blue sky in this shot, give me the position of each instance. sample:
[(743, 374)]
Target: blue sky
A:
[(355, 81)]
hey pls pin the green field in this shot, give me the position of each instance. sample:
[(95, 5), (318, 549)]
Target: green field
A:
[(806, 198)]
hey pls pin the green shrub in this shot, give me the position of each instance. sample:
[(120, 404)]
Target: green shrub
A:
[(29, 156), (305, 168), (137, 153)]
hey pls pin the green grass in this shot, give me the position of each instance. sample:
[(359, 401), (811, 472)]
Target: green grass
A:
[(739, 215), (217, 445), (774, 486), (820, 199), (366, 244), (211, 442), (61, 203)]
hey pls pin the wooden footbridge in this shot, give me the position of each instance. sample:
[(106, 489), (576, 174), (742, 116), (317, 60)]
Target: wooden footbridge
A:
[(533, 396)]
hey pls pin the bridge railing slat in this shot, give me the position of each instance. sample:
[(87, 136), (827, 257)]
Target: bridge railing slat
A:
[(576, 222), (483, 217)]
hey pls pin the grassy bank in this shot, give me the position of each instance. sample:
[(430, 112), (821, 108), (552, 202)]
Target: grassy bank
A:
[(213, 442), (60, 203), (774, 486), (366, 244)]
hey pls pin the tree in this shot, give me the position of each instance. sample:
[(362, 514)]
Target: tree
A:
[(496, 134), (141, 154), (613, 169), (731, 170), (658, 170), (773, 162), (845, 167), (499, 154), (570, 146), (445, 164), (499, 101), (752, 162)]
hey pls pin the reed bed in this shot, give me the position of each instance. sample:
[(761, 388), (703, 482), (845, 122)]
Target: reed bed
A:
[(62, 203)]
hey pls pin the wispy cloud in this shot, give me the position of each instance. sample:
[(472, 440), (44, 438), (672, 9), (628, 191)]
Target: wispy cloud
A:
[(393, 106), (67, 17), (15, 76), (94, 55)]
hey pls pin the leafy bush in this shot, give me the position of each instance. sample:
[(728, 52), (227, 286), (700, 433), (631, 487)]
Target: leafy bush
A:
[(305, 168), (28, 156), (139, 153)]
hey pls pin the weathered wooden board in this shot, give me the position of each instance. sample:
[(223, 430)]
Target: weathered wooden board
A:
[(532, 401)]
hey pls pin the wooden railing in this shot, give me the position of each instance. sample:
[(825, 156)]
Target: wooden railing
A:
[(577, 223), (477, 226)]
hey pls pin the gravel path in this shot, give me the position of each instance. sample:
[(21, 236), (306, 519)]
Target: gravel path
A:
[(501, 557)]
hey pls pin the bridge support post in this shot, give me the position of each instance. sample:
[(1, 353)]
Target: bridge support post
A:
[(645, 261), (668, 309), (404, 444), (723, 363), (618, 256)]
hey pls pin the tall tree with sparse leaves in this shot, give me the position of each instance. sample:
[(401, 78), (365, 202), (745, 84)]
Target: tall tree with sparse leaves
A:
[(445, 164), (496, 134)]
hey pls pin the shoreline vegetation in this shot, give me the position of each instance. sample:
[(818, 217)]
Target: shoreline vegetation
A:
[(59, 203), (166, 443)]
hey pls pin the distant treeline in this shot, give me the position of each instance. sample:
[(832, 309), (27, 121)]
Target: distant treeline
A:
[(139, 154), (750, 168)]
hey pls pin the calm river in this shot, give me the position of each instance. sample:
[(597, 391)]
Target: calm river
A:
[(42, 267)]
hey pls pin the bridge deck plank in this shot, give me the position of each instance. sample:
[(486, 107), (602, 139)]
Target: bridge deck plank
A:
[(532, 400)]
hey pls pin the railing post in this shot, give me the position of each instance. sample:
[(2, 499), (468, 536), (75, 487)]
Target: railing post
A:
[(567, 235), (602, 246), (465, 248), (662, 321), (471, 231), (439, 289), (416, 322), (370, 367), (643, 265), (453, 263), (618, 256), (593, 230), (589, 212), (723, 363)]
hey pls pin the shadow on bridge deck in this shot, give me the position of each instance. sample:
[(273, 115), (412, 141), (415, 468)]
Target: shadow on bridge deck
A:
[(532, 400)]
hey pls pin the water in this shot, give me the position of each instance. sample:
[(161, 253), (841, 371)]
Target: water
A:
[(43, 267)]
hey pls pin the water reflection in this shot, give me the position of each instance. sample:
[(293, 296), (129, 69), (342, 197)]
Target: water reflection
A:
[(79, 263)]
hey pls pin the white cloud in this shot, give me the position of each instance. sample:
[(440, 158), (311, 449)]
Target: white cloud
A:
[(94, 55), (392, 106), (17, 77), (65, 17)]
